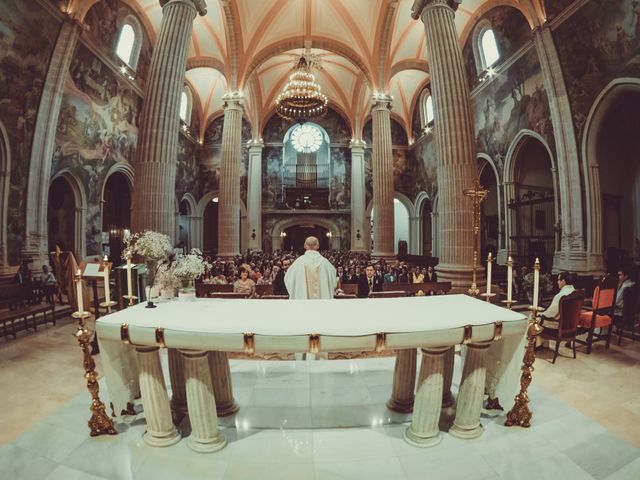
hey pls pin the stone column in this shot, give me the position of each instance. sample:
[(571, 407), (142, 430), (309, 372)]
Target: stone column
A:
[(573, 255), (229, 203), (383, 226), (176, 378), (359, 231), (454, 136), (424, 431), (471, 393), (254, 194), (195, 232), (80, 233), (447, 396), (153, 200), (415, 237), (43, 145), (404, 381), (160, 429), (205, 436), (222, 386)]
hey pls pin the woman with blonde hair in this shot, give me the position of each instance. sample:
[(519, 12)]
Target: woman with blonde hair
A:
[(244, 284)]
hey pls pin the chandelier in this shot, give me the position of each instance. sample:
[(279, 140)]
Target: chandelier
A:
[(301, 97)]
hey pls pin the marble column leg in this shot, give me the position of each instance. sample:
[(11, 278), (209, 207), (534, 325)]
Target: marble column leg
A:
[(205, 436), (160, 429), (404, 380), (424, 431), (176, 378), (222, 386), (469, 405), (447, 396)]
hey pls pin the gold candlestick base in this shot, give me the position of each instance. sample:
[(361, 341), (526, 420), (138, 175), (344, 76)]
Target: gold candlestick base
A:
[(508, 303), (131, 298), (108, 305), (99, 423), (474, 291), (520, 413), (488, 296), (81, 315)]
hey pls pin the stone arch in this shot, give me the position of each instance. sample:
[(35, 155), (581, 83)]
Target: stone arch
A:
[(5, 186), (80, 213), (593, 195), (499, 187), (407, 203), (189, 237), (423, 233), (200, 207), (281, 225), (121, 167)]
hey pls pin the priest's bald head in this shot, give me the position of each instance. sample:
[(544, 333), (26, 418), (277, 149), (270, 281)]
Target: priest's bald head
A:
[(312, 243)]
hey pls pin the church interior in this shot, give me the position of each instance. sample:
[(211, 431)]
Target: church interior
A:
[(480, 157)]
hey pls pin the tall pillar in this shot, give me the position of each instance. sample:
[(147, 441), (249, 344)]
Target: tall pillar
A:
[(359, 231), (44, 137), (424, 431), (254, 194), (383, 222), (449, 359), (222, 386), (454, 136), (176, 378), (573, 254), (471, 393), (155, 400), (229, 203), (153, 199), (404, 381)]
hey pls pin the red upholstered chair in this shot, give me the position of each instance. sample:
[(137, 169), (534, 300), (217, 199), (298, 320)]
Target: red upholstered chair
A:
[(600, 316), (570, 307)]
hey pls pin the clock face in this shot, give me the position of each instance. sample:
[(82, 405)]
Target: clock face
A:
[(306, 139)]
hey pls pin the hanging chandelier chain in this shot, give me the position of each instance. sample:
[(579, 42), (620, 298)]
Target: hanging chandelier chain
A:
[(302, 96)]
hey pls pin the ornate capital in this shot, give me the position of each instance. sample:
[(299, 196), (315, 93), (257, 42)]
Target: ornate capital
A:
[(381, 101), (420, 5), (199, 5), (256, 144), (232, 100)]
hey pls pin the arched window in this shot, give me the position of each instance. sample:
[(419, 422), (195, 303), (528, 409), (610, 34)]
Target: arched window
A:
[(126, 41), (428, 109), (185, 106), (489, 48), (129, 42)]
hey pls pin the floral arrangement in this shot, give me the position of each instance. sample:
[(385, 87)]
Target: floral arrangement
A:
[(149, 244), (165, 279), (190, 266)]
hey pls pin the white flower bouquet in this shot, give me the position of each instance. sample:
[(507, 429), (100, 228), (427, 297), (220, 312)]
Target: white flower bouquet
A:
[(149, 244), (191, 266), (165, 279)]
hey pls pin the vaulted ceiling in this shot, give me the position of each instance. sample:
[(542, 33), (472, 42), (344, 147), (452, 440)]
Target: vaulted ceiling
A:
[(365, 46)]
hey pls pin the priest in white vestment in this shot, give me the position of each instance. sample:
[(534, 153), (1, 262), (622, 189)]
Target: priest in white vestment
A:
[(311, 276)]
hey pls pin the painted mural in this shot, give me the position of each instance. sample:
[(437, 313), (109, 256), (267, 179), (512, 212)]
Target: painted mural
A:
[(104, 22), (425, 151), (60, 4), (554, 8), (511, 31), (27, 37), (187, 168), (511, 102), (97, 127), (607, 47), (335, 125)]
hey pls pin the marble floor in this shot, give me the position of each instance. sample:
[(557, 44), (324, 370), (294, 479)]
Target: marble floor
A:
[(320, 420)]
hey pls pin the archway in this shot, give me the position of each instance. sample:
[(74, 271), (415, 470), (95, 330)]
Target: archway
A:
[(61, 217), (401, 229), (210, 227), (116, 213), (427, 227), (532, 204), (617, 149), (328, 225), (490, 216), (5, 175), (294, 237), (184, 211)]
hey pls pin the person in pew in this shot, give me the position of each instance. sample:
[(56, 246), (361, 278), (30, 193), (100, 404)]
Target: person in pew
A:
[(624, 282), (49, 284), (369, 282), (431, 275), (244, 284), (551, 316), (417, 276), (279, 287), (311, 276)]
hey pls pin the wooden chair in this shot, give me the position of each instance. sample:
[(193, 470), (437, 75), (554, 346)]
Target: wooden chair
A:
[(265, 289), (630, 312), (570, 307), (600, 316), (350, 288)]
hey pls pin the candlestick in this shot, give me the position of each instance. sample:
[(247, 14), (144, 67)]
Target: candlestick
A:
[(536, 283), (79, 291), (489, 260), (129, 288), (509, 279), (105, 272)]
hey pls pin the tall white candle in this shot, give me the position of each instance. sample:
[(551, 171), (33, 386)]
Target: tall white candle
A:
[(129, 290), (105, 272), (79, 291), (509, 279), (489, 274), (536, 283)]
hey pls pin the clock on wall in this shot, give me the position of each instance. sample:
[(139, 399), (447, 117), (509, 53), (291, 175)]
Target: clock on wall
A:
[(306, 138)]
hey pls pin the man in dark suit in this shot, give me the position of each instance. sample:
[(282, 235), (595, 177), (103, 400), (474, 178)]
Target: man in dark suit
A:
[(369, 282), (431, 276), (279, 288)]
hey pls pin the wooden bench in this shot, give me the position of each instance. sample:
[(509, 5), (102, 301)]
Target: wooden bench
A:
[(12, 321)]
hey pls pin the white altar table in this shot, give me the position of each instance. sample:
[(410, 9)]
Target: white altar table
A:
[(202, 330)]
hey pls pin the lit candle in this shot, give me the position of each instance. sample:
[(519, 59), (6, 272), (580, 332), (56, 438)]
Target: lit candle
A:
[(79, 291), (105, 272), (509, 279), (489, 274), (129, 294), (536, 284)]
